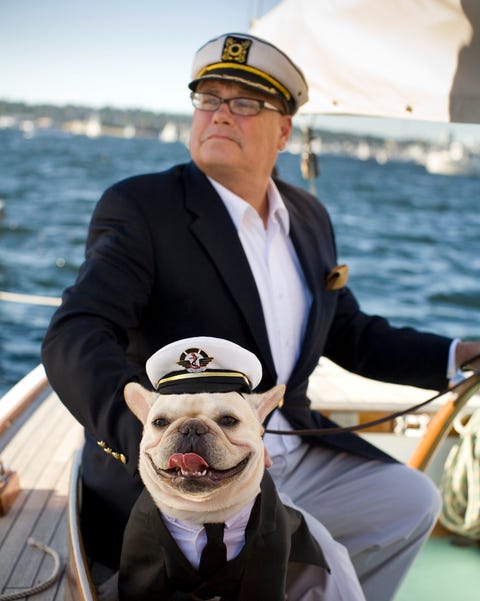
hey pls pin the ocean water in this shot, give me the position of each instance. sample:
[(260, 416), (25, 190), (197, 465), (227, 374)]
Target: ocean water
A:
[(411, 239)]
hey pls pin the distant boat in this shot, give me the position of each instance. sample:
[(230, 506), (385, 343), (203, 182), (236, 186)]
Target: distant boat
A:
[(91, 127), (28, 128), (453, 160), (169, 133), (129, 131)]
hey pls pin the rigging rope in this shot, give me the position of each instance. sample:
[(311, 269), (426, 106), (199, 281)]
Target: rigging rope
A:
[(29, 299), (381, 420), (42, 586)]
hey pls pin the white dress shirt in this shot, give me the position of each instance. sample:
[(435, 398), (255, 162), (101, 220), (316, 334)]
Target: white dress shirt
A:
[(192, 538), (279, 278)]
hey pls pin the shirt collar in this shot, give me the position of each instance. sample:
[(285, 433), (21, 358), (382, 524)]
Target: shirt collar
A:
[(239, 520), (237, 207)]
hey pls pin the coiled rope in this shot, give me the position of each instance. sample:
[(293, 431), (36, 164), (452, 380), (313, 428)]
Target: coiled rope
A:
[(460, 483), (41, 586)]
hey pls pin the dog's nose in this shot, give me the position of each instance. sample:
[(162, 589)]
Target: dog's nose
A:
[(193, 427)]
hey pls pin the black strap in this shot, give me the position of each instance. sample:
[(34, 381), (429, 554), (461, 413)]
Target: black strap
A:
[(380, 420), (214, 554)]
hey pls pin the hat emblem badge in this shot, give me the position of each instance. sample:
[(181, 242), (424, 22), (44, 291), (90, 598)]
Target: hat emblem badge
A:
[(194, 360), (236, 50)]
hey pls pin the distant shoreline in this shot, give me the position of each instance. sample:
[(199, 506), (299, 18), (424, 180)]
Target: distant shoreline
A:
[(448, 156), (69, 117)]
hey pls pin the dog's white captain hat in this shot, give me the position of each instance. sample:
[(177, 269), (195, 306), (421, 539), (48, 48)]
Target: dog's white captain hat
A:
[(246, 59), (203, 364)]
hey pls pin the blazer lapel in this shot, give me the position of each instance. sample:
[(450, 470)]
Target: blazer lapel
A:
[(303, 239), (315, 265), (216, 232)]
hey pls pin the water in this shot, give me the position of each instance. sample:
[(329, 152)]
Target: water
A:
[(410, 238)]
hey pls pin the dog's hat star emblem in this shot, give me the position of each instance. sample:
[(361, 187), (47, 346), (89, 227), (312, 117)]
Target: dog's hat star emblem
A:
[(194, 360)]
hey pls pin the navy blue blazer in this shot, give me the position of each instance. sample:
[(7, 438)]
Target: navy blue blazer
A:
[(164, 262)]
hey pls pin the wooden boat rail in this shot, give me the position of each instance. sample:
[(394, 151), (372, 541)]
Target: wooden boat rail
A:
[(20, 396), (441, 423), (79, 582)]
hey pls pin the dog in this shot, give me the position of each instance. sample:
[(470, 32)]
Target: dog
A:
[(203, 462)]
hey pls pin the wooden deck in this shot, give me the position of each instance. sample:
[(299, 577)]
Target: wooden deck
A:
[(39, 446)]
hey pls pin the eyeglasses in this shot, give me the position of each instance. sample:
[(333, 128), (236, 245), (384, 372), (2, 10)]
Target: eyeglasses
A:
[(247, 107)]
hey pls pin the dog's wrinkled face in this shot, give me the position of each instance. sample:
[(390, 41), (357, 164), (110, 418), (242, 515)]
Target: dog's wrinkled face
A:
[(201, 455)]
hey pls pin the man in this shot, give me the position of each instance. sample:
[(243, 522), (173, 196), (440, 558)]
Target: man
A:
[(216, 247)]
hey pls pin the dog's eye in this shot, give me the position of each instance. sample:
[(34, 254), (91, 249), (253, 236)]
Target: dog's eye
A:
[(228, 421), (160, 422)]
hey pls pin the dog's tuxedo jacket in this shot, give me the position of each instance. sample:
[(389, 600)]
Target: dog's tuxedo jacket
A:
[(277, 540)]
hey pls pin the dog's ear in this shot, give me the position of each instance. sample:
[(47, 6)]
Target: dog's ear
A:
[(266, 402), (139, 400)]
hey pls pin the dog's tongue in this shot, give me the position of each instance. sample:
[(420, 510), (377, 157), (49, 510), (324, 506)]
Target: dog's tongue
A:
[(187, 462)]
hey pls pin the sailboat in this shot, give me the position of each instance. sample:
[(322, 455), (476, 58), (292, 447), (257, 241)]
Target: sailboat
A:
[(414, 60), (417, 61)]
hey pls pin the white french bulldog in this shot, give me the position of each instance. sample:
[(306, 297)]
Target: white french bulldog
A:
[(203, 461)]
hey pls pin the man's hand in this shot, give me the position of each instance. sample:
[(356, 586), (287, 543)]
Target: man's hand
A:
[(468, 353)]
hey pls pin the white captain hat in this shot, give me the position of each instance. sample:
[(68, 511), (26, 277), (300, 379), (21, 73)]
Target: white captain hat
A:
[(254, 62), (203, 364)]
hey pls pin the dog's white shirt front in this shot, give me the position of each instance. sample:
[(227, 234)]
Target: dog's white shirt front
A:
[(191, 538)]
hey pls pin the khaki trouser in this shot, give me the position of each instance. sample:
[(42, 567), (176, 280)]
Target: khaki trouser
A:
[(370, 518)]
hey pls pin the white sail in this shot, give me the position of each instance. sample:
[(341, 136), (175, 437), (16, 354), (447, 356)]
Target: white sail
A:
[(416, 59)]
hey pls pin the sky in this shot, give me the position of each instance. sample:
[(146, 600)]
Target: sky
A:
[(133, 54), (125, 53)]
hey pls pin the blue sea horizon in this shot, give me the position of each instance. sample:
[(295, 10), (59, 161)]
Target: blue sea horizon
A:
[(410, 238)]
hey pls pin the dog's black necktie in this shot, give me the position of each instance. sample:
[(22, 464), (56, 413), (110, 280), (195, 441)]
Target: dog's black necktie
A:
[(214, 554)]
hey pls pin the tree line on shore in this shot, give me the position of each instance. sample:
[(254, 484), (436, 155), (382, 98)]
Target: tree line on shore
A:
[(142, 120)]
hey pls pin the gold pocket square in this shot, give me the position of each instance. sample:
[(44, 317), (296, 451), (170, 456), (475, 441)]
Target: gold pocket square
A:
[(337, 278)]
